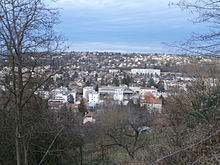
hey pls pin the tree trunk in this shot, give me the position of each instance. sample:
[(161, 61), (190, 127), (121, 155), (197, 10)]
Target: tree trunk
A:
[(25, 153), (18, 153), (81, 155)]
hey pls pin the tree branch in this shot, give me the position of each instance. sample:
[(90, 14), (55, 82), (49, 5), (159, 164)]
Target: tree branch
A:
[(48, 150), (187, 148)]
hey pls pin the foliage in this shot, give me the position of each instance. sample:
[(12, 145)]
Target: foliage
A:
[(97, 88), (82, 107), (70, 98), (127, 80), (151, 83), (160, 86), (115, 81)]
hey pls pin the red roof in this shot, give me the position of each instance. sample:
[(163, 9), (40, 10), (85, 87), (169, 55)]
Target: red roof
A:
[(149, 98), (148, 94)]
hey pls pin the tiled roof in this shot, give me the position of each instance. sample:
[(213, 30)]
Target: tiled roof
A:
[(149, 98)]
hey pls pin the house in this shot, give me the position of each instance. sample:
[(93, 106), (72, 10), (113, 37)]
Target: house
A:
[(144, 90), (94, 98), (89, 118), (118, 96), (58, 97), (55, 105), (146, 71), (151, 103), (43, 94), (114, 70), (86, 91)]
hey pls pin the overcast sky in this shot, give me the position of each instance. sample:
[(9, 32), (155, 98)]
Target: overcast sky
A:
[(123, 25)]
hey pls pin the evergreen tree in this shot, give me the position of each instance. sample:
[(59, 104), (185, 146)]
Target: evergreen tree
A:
[(160, 86), (82, 107), (127, 80), (97, 88), (70, 98), (151, 83), (115, 81)]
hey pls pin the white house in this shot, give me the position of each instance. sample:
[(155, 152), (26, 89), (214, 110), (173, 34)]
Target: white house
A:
[(145, 71), (43, 94), (94, 97), (118, 96), (114, 70), (86, 91), (151, 103), (89, 118), (59, 97), (143, 90)]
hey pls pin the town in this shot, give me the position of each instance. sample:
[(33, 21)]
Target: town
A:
[(96, 79), (109, 82)]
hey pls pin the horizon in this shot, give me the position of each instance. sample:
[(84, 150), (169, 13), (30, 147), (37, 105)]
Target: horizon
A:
[(142, 53)]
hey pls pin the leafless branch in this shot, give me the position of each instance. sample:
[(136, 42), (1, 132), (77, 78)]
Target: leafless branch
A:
[(50, 146), (187, 148)]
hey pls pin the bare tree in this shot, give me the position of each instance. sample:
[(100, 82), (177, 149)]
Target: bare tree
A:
[(207, 12), (124, 127), (26, 38), (194, 115)]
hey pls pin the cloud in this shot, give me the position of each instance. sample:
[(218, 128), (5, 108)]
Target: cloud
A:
[(116, 15), (117, 6), (117, 24)]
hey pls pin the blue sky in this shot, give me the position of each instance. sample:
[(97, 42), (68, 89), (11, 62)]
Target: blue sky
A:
[(123, 25)]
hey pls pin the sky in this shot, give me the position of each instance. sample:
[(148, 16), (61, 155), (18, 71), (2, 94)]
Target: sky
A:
[(124, 25)]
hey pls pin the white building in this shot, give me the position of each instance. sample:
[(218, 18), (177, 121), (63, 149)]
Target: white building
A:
[(111, 90), (145, 71), (62, 90), (151, 103), (142, 91), (59, 97), (94, 97), (114, 70), (86, 91), (43, 94), (118, 96)]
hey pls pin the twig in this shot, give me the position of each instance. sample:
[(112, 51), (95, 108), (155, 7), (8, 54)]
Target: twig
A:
[(189, 147), (48, 150)]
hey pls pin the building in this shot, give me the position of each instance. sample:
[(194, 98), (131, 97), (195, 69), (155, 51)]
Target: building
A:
[(118, 95), (94, 97), (144, 90), (151, 103), (114, 70), (146, 71), (43, 94), (111, 90), (86, 91), (89, 118), (59, 97)]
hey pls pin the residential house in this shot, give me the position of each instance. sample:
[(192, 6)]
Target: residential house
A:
[(151, 103)]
